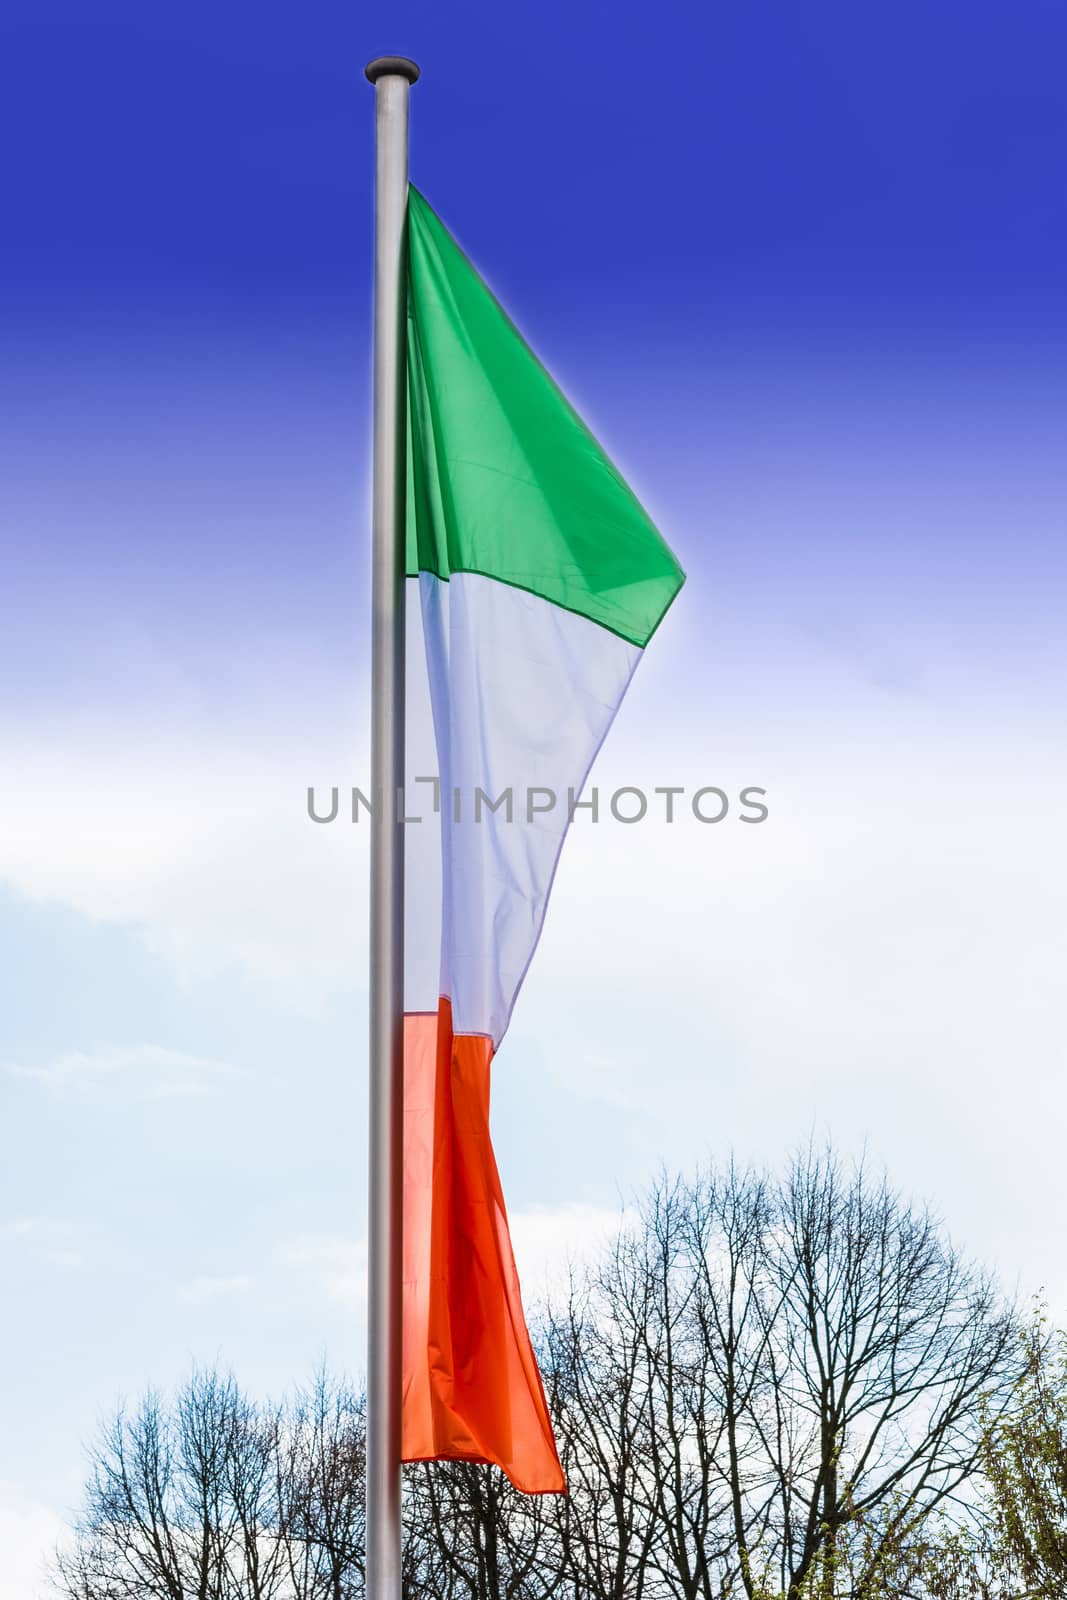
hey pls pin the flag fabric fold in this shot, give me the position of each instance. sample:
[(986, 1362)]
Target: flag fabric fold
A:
[(535, 580)]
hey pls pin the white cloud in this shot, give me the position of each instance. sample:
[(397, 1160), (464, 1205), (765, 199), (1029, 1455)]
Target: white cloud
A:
[(208, 1288), (878, 960), (150, 1069), (29, 1533), (332, 1265), (54, 1240), (39, 1227), (211, 859), (549, 1240)]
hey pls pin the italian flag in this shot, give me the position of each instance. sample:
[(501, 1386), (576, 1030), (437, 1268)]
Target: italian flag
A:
[(534, 582)]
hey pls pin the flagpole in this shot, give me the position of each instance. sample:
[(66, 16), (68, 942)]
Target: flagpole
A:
[(392, 77)]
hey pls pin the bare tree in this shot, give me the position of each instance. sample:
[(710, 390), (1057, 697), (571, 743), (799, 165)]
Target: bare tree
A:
[(321, 1460), (887, 1345), (804, 1365), (599, 1389), (216, 1498), (775, 1389), (471, 1536), (180, 1504), (252, 1490)]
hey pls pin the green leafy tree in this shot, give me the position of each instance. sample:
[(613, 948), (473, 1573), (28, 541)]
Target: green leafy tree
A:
[(1026, 1464)]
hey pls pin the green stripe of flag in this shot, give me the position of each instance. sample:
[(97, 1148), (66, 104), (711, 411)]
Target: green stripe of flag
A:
[(504, 478)]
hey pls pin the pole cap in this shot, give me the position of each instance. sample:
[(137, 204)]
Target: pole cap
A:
[(391, 66)]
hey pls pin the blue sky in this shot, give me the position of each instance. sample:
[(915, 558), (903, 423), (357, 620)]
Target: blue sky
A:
[(803, 270)]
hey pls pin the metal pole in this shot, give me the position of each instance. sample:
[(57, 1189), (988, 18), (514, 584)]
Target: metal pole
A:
[(392, 77)]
